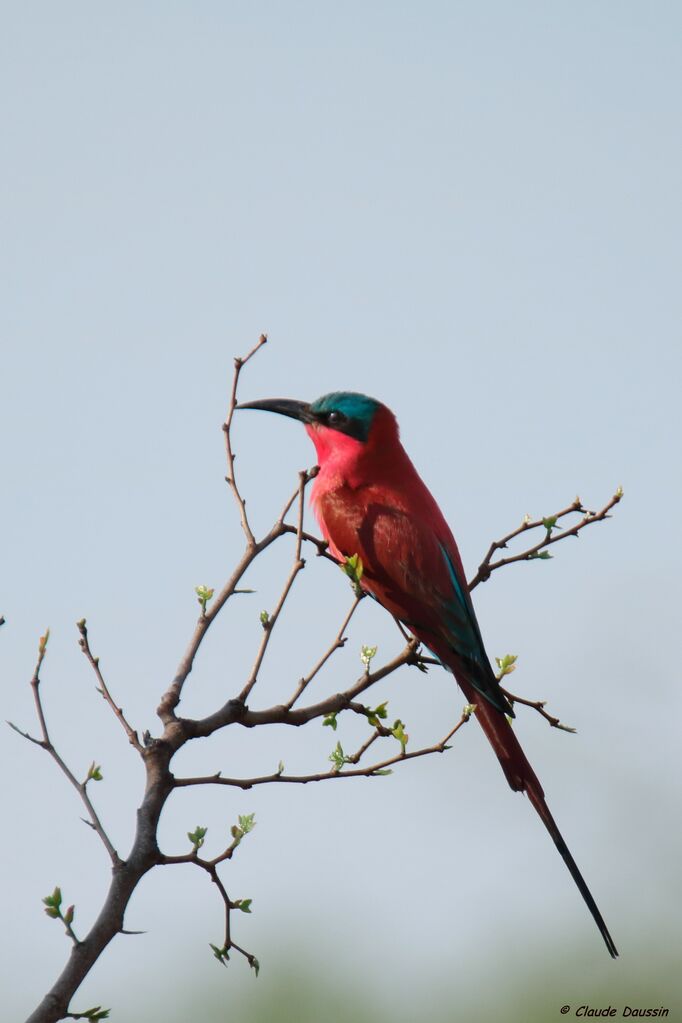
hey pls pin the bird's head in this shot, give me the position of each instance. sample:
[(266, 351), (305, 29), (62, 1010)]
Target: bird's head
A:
[(344, 426)]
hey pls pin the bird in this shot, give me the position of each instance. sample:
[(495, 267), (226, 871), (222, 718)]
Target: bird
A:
[(370, 501)]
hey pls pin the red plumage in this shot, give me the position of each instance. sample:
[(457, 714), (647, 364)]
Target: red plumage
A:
[(369, 500)]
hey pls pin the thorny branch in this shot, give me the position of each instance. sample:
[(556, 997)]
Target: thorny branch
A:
[(157, 753)]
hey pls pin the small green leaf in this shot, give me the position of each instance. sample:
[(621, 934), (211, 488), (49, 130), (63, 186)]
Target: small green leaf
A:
[(468, 710), (549, 523), (338, 757), (383, 771), (506, 664), (244, 905), (264, 619), (53, 912), (330, 720), (68, 915), (197, 837), (95, 772), (398, 731), (379, 714), (54, 900), (354, 569), (42, 644), (539, 556), (247, 822), (220, 954)]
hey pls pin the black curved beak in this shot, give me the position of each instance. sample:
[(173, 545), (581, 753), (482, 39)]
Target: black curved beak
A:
[(283, 406)]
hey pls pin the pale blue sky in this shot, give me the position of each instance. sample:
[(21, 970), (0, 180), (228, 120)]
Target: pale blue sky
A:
[(470, 211)]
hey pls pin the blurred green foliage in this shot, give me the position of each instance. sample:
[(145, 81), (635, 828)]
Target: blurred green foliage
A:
[(307, 992)]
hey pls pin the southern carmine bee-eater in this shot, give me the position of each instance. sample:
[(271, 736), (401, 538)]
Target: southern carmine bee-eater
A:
[(369, 500)]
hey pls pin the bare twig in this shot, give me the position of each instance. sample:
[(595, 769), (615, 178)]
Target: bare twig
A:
[(239, 363), (46, 743), (378, 733), (539, 706), (338, 642), (321, 545), (298, 566), (103, 689), (488, 566)]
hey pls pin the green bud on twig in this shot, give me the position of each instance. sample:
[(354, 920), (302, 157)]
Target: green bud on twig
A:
[(95, 772), (338, 757), (354, 569), (204, 594), (243, 904), (197, 837), (366, 655), (506, 664)]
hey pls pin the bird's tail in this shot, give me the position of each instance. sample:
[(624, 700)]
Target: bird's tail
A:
[(522, 778)]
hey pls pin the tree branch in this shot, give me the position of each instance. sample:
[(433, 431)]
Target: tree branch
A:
[(488, 566), (337, 643), (239, 364), (84, 644), (298, 565), (539, 706), (235, 712), (46, 743), (372, 771)]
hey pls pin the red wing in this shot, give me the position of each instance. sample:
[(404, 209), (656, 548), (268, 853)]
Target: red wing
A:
[(414, 572)]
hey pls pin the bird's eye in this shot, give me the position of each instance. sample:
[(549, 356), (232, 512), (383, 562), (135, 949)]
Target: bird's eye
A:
[(336, 418)]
